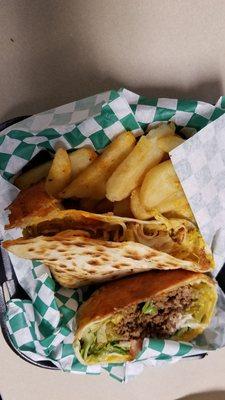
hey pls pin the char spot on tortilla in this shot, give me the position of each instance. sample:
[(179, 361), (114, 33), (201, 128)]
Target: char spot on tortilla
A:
[(151, 253), (87, 253), (133, 255), (31, 249), (105, 258), (100, 248), (161, 266), (106, 273), (110, 244), (52, 259), (97, 255), (61, 250), (94, 262), (69, 258), (80, 244), (63, 266), (117, 266)]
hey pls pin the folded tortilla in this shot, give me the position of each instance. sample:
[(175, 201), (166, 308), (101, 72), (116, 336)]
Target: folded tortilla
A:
[(31, 206), (76, 260), (40, 214), (177, 237), (112, 323)]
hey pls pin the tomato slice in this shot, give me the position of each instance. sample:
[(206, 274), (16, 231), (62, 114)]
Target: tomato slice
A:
[(135, 347)]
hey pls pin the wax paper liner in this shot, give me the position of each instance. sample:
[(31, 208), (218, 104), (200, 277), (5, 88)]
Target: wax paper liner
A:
[(42, 327)]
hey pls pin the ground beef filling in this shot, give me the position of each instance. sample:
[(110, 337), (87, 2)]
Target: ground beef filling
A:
[(136, 324)]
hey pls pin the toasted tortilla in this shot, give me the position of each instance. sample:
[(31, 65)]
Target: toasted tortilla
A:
[(112, 298), (40, 214), (31, 206), (177, 237), (76, 260)]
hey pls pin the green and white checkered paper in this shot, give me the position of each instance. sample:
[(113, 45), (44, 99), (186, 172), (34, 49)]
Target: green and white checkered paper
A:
[(42, 327)]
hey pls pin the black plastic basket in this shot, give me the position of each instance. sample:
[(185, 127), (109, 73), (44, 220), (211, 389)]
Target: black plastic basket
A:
[(10, 288)]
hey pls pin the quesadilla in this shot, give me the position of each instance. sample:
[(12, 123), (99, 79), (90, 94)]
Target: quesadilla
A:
[(31, 206), (41, 215), (177, 237), (76, 259), (113, 322)]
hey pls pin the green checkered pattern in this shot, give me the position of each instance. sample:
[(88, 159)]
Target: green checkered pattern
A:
[(42, 327), (191, 114), (43, 131)]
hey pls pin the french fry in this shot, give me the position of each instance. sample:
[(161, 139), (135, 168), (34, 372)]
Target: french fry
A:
[(80, 159), (91, 182), (59, 174), (176, 206), (130, 173), (137, 208), (33, 176), (159, 183), (161, 130), (122, 208), (169, 142)]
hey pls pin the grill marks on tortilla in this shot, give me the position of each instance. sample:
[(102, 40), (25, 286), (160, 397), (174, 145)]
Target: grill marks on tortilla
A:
[(75, 260)]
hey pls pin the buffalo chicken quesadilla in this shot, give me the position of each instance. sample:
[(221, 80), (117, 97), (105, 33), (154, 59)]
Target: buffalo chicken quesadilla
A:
[(112, 323)]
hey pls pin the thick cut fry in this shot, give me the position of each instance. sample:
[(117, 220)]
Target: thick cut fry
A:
[(168, 143), (80, 159), (130, 173), (137, 208), (91, 182), (159, 183), (161, 130), (176, 206), (33, 176), (59, 174), (122, 208)]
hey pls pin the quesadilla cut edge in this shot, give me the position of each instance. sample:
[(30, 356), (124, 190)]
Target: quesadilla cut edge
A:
[(112, 323)]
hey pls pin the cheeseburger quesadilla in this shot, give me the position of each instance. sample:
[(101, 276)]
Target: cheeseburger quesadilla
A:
[(76, 260), (112, 323), (82, 248), (177, 237)]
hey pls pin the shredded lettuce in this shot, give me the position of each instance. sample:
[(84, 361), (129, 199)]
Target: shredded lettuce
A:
[(149, 308)]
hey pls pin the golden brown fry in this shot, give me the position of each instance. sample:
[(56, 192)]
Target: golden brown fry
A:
[(161, 186), (80, 159), (161, 130), (176, 206), (33, 176), (130, 173), (168, 143), (159, 183), (137, 208), (91, 182), (122, 208), (59, 174)]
